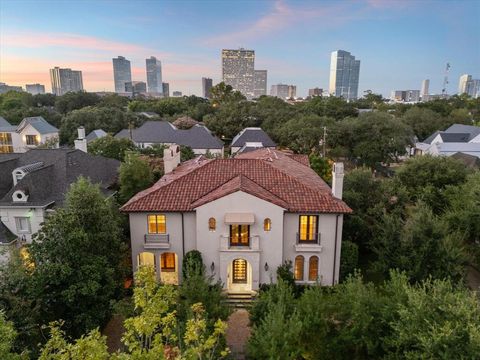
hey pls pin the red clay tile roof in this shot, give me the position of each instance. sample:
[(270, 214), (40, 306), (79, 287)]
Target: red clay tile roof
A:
[(268, 174)]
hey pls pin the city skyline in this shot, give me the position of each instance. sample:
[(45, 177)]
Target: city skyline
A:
[(399, 43)]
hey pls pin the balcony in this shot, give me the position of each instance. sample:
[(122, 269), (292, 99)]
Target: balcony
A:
[(157, 241), (253, 244), (309, 245)]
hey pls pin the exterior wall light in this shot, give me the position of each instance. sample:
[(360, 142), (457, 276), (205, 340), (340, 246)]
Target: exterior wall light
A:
[(266, 267), (212, 267)]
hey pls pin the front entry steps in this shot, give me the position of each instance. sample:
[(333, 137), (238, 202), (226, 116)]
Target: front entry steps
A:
[(241, 300)]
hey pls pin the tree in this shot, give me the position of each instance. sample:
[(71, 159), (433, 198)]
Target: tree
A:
[(421, 246), (230, 118), (7, 337), (75, 100), (186, 153), (111, 147), (78, 260), (424, 122), (135, 175), (427, 178), (222, 93), (348, 259), (322, 166)]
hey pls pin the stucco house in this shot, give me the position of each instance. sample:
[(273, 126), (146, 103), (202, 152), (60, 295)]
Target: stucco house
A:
[(246, 215), (34, 183), (198, 137), (30, 133)]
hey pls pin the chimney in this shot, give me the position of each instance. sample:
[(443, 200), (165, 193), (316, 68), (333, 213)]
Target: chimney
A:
[(171, 158), (337, 180), (81, 142)]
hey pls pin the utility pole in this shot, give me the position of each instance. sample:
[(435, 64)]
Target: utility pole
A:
[(324, 140)]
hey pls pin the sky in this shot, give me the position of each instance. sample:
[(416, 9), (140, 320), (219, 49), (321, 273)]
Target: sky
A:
[(399, 43)]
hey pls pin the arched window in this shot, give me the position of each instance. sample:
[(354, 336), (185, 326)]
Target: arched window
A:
[(299, 260), (167, 261), (267, 224), (313, 268), (146, 258), (212, 224)]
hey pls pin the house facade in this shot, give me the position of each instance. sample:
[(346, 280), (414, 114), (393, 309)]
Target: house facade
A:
[(247, 215), (30, 133), (34, 183)]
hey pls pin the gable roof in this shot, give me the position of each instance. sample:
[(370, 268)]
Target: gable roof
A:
[(38, 123), (269, 175), (3, 122), (49, 173), (473, 131), (161, 132), (95, 134), (5, 126), (252, 135), (469, 160)]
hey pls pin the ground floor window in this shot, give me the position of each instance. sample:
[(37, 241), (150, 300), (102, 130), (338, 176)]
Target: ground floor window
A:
[(146, 259), (239, 271), (313, 268), (167, 261), (298, 271)]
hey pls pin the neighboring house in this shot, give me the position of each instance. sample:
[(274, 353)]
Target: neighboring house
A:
[(35, 182), (198, 137), (457, 138), (95, 134), (30, 133), (251, 138), (247, 215)]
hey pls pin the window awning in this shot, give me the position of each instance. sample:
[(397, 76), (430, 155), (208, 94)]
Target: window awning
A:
[(239, 218)]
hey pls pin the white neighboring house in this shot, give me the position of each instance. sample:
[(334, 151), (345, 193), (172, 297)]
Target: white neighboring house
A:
[(457, 138), (35, 182), (250, 139), (198, 137), (246, 215), (30, 133)]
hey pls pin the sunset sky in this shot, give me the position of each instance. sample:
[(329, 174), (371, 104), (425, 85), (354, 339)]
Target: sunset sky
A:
[(399, 43)]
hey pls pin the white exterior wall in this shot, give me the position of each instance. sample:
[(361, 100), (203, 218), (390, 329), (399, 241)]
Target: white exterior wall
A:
[(326, 250), (138, 230), (270, 242), (36, 215), (30, 130)]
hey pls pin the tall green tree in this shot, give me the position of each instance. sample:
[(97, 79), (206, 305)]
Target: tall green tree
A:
[(78, 260), (111, 147), (135, 175)]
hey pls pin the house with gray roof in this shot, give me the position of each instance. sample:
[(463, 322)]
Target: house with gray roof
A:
[(250, 139), (35, 182), (458, 138), (198, 137), (95, 134), (30, 133)]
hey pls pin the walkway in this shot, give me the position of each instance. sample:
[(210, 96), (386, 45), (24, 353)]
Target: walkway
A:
[(237, 333)]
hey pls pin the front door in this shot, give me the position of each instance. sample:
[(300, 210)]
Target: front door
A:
[(239, 235), (239, 267)]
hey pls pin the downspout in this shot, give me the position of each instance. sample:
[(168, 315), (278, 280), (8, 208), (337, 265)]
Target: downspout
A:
[(335, 251), (183, 237)]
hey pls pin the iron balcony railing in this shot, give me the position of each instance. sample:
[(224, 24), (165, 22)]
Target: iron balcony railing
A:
[(157, 241), (227, 244), (315, 240)]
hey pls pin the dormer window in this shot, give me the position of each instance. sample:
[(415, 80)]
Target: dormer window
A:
[(19, 195), (17, 176)]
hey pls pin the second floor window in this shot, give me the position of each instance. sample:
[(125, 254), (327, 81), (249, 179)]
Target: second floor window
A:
[(240, 235), (23, 225), (157, 224), (308, 228), (31, 139)]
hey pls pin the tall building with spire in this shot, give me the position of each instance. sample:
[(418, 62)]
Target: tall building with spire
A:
[(65, 80), (122, 73), (154, 75), (238, 70), (344, 75)]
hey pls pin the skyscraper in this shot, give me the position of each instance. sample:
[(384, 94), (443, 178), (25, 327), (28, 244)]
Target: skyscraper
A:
[(207, 84), (154, 75), (344, 74), (468, 86), (292, 91), (280, 91), (136, 87), (315, 92), (238, 70), (166, 89), (35, 89), (65, 80), (260, 83), (122, 73), (425, 89)]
